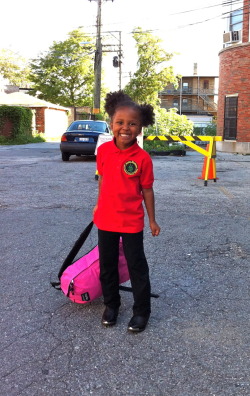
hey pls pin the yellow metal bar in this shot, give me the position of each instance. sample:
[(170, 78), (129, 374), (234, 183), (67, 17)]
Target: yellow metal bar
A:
[(190, 142), (184, 138), (160, 137), (210, 151), (197, 148), (214, 161)]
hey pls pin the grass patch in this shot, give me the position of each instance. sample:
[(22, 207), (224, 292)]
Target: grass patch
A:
[(22, 139)]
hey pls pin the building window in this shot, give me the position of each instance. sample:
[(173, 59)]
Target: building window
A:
[(236, 19), (185, 87), (230, 117), (175, 103), (206, 84), (184, 103)]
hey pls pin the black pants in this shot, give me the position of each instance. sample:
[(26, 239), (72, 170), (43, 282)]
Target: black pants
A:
[(108, 243)]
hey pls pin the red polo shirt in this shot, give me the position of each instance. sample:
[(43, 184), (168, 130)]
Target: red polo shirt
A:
[(124, 174)]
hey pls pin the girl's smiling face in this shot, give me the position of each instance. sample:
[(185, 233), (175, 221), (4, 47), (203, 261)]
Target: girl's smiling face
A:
[(126, 126)]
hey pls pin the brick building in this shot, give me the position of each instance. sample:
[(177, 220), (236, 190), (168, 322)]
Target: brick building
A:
[(233, 122), (48, 118)]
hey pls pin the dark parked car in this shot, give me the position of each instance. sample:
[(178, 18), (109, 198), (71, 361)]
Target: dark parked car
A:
[(81, 138)]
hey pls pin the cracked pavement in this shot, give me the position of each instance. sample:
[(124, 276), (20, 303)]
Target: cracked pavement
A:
[(197, 342)]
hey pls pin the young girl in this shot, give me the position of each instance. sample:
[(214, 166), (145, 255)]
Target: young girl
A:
[(125, 180)]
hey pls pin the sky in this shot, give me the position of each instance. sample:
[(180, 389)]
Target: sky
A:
[(193, 29)]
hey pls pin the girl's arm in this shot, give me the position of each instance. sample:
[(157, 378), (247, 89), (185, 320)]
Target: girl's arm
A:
[(99, 191), (148, 195)]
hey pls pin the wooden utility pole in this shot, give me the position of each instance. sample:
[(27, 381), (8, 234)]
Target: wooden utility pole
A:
[(98, 59), (120, 61)]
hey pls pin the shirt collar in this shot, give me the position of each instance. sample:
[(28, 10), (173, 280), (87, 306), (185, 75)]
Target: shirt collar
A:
[(132, 149)]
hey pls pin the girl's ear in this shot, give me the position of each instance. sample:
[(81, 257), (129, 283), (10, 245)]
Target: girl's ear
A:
[(139, 132)]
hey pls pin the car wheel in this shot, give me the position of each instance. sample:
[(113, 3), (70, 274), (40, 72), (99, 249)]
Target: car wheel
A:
[(65, 156)]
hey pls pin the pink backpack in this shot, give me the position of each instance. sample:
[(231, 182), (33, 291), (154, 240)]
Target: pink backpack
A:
[(80, 281)]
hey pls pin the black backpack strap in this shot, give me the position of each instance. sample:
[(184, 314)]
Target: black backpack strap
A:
[(129, 289), (77, 246), (56, 285)]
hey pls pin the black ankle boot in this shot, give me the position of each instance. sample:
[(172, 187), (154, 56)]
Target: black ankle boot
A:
[(109, 316), (138, 323)]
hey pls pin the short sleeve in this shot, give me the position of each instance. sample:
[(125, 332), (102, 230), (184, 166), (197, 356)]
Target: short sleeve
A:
[(99, 161), (147, 174)]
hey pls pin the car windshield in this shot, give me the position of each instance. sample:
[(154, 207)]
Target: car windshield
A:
[(88, 126)]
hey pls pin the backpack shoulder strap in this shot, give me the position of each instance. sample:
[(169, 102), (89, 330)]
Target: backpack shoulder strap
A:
[(77, 246), (56, 285)]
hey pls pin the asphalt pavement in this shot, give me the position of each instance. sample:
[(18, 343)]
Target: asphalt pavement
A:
[(197, 342)]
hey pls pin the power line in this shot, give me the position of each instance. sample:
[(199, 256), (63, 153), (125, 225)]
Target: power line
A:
[(225, 3), (229, 2), (222, 16), (236, 9)]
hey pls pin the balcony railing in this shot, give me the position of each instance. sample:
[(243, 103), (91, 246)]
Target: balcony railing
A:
[(189, 91), (188, 109)]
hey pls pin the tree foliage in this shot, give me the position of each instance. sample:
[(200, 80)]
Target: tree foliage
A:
[(65, 75), (171, 123), (152, 74), (211, 128), (208, 130), (151, 77), (14, 68)]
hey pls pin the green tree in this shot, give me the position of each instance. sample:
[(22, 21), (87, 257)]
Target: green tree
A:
[(65, 75), (14, 68), (152, 74), (171, 123), (151, 77), (209, 130)]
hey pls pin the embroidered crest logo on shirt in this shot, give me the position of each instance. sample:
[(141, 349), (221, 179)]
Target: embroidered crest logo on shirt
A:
[(130, 167)]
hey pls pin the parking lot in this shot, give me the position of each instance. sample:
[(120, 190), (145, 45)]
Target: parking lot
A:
[(197, 342)]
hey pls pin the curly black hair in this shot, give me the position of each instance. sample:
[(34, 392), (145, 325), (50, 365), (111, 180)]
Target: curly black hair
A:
[(118, 99)]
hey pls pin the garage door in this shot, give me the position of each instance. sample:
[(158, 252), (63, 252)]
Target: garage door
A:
[(56, 123)]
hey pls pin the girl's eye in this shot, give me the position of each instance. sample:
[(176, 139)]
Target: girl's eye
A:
[(130, 124)]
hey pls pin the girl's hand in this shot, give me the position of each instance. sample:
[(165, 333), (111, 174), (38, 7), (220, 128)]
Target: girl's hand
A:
[(155, 229)]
